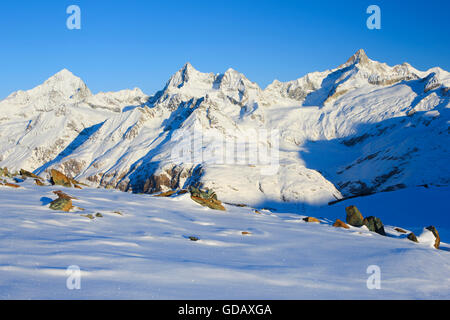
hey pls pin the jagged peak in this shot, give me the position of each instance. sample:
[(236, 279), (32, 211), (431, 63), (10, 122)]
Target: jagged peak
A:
[(183, 76), (360, 57)]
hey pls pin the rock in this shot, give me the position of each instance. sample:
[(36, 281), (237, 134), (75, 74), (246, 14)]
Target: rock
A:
[(57, 178), (374, 224), (400, 230), (183, 191), (206, 194), (89, 216), (244, 233), (207, 198), (257, 212), (77, 186), (354, 217), (166, 194), (99, 215), (4, 172), (11, 185), (39, 182), (61, 204), (212, 204), (412, 237), (340, 224), (311, 219), (194, 238), (25, 173), (436, 235), (63, 195)]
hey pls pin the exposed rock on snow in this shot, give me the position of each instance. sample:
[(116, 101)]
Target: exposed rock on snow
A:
[(374, 224), (340, 224), (354, 217)]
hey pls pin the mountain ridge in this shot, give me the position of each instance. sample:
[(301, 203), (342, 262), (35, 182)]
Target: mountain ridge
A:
[(125, 139)]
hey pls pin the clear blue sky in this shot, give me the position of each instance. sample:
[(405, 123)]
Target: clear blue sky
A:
[(141, 43)]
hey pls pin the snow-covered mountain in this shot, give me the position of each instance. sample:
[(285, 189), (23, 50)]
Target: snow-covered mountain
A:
[(360, 128)]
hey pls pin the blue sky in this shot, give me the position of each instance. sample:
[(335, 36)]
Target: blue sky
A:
[(141, 43)]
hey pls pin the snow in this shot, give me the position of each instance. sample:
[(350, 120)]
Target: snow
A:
[(145, 253)]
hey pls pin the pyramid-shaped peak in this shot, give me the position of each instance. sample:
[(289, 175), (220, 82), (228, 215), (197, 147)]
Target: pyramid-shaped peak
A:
[(359, 57), (64, 74)]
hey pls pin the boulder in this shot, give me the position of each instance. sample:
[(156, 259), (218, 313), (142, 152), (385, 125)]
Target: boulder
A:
[(354, 217), (436, 235), (58, 178), (206, 198), (374, 224), (204, 194), (4, 172), (194, 238), (412, 237), (61, 204), (400, 230), (11, 185), (63, 195), (311, 219), (340, 224), (25, 173), (212, 204), (166, 194)]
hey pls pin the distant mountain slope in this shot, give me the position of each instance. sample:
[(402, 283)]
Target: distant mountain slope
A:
[(360, 128)]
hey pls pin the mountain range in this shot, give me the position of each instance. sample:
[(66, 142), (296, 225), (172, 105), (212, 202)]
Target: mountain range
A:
[(360, 128)]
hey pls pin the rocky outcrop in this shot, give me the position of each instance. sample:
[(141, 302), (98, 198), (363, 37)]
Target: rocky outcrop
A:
[(206, 198), (58, 178), (374, 224), (412, 237), (340, 224), (436, 235), (61, 204), (311, 219), (354, 217)]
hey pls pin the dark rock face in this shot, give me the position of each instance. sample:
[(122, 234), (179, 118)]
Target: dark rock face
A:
[(354, 217), (374, 224), (412, 237), (436, 234)]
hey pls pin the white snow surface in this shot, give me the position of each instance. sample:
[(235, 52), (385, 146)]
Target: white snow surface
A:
[(145, 253)]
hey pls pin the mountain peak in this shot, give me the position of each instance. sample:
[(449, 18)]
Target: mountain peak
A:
[(64, 75), (359, 57), (66, 83)]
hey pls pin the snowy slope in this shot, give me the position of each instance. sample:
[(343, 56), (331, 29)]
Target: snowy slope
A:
[(360, 128), (145, 252)]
